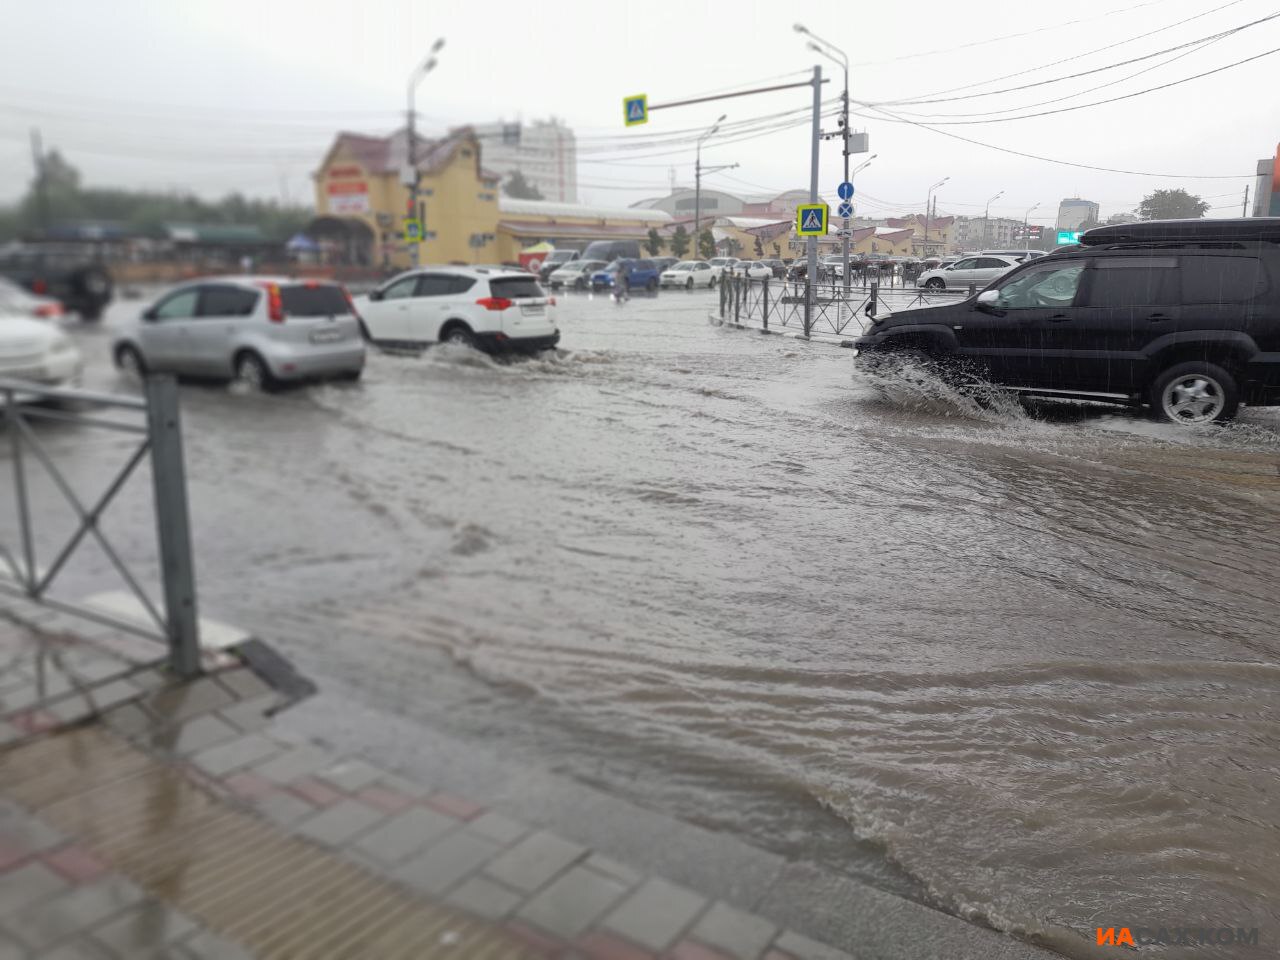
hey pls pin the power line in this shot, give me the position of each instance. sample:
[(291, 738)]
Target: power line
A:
[(1099, 103), (1008, 36), (1084, 73), (1078, 56), (1064, 163)]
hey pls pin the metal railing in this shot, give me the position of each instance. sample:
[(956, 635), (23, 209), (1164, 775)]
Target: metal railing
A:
[(771, 303), (161, 433)]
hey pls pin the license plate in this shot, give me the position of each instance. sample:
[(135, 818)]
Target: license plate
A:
[(533, 310), (326, 336)]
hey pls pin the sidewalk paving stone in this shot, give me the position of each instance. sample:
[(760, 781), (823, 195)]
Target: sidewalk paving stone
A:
[(734, 932), (206, 946), (656, 914), (349, 775), (689, 950), (45, 923), (535, 860), (243, 684), (454, 806), (802, 948), (497, 827), (612, 868), (195, 735), (446, 862), (599, 945), (250, 716), (244, 751), (338, 824), (78, 950), (33, 883), (384, 799), (293, 765), (10, 950), (485, 898), (404, 835), (182, 702), (148, 927), (75, 864), (572, 903), (316, 793), (283, 809)]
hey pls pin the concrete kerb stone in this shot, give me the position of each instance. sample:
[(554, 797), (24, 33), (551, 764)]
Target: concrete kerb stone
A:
[(656, 914)]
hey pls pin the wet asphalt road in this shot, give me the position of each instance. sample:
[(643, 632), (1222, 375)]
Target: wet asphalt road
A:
[(1023, 668)]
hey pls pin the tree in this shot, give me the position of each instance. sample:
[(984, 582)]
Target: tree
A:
[(1118, 218), (706, 245), (759, 248), (520, 188), (1174, 204), (680, 241), (654, 243)]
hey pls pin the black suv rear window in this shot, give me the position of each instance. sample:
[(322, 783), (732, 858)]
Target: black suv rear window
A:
[(515, 288), (1222, 279), (317, 301), (1133, 281)]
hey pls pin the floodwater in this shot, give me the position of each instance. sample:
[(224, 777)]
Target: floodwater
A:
[(1019, 667)]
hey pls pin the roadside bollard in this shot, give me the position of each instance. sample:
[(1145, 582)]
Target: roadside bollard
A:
[(973, 288)]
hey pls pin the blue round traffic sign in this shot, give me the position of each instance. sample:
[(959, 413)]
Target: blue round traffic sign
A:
[(846, 210), (845, 191)]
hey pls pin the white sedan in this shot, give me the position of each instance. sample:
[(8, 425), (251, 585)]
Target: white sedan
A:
[(37, 350), (688, 274), (753, 269), (969, 270)]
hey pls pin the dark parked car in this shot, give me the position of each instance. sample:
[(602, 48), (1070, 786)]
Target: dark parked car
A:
[(61, 272), (664, 263), (1182, 316)]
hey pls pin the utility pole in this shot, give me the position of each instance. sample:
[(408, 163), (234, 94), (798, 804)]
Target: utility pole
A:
[(837, 56), (928, 212), (986, 217), (1025, 217), (42, 180), (1244, 207), (697, 188), (412, 176), (811, 243)]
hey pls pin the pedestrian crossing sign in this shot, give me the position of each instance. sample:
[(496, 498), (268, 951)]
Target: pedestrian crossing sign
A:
[(811, 219), (635, 110)]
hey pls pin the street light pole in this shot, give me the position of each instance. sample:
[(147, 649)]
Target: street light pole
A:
[(841, 59), (928, 212), (415, 204), (697, 188), (1025, 217), (986, 217)]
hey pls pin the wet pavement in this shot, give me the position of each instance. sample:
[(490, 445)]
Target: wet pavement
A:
[(1019, 667)]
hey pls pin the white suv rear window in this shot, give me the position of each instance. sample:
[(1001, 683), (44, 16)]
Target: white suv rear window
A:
[(515, 288)]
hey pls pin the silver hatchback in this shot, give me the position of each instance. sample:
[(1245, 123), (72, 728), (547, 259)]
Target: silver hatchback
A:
[(259, 330)]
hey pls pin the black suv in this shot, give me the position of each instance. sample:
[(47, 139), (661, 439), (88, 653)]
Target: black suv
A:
[(62, 272), (1180, 315)]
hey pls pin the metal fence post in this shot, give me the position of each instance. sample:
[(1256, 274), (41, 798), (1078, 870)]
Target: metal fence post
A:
[(28, 573), (973, 288), (766, 303), (875, 298), (722, 285), (173, 524), (737, 300)]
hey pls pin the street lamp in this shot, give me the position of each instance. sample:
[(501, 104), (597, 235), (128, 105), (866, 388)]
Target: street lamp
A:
[(986, 216), (928, 211), (837, 56), (1025, 217), (412, 175), (697, 186)]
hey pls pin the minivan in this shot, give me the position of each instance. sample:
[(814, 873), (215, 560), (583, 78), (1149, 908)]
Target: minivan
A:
[(611, 250)]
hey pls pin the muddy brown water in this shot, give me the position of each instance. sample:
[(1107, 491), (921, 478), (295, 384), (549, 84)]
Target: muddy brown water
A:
[(1020, 667)]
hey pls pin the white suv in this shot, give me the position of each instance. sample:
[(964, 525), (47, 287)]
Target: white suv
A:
[(483, 307)]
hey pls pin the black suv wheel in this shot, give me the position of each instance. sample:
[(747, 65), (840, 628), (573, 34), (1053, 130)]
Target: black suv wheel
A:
[(1194, 392)]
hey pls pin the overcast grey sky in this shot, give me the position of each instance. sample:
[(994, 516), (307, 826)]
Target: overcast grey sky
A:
[(222, 95)]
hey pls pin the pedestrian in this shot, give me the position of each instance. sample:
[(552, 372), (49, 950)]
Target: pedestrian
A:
[(621, 283)]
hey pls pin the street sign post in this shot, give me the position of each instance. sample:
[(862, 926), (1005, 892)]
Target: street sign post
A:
[(846, 210), (412, 229), (635, 110), (811, 219), (845, 191)]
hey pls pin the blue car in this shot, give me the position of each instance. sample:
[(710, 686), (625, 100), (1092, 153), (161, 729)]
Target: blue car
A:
[(641, 275)]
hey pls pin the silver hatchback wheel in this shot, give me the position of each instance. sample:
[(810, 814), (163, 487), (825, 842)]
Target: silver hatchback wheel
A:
[(1193, 398), (252, 372)]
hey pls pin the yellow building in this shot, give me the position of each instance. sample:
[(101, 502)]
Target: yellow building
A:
[(362, 204), (363, 207)]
